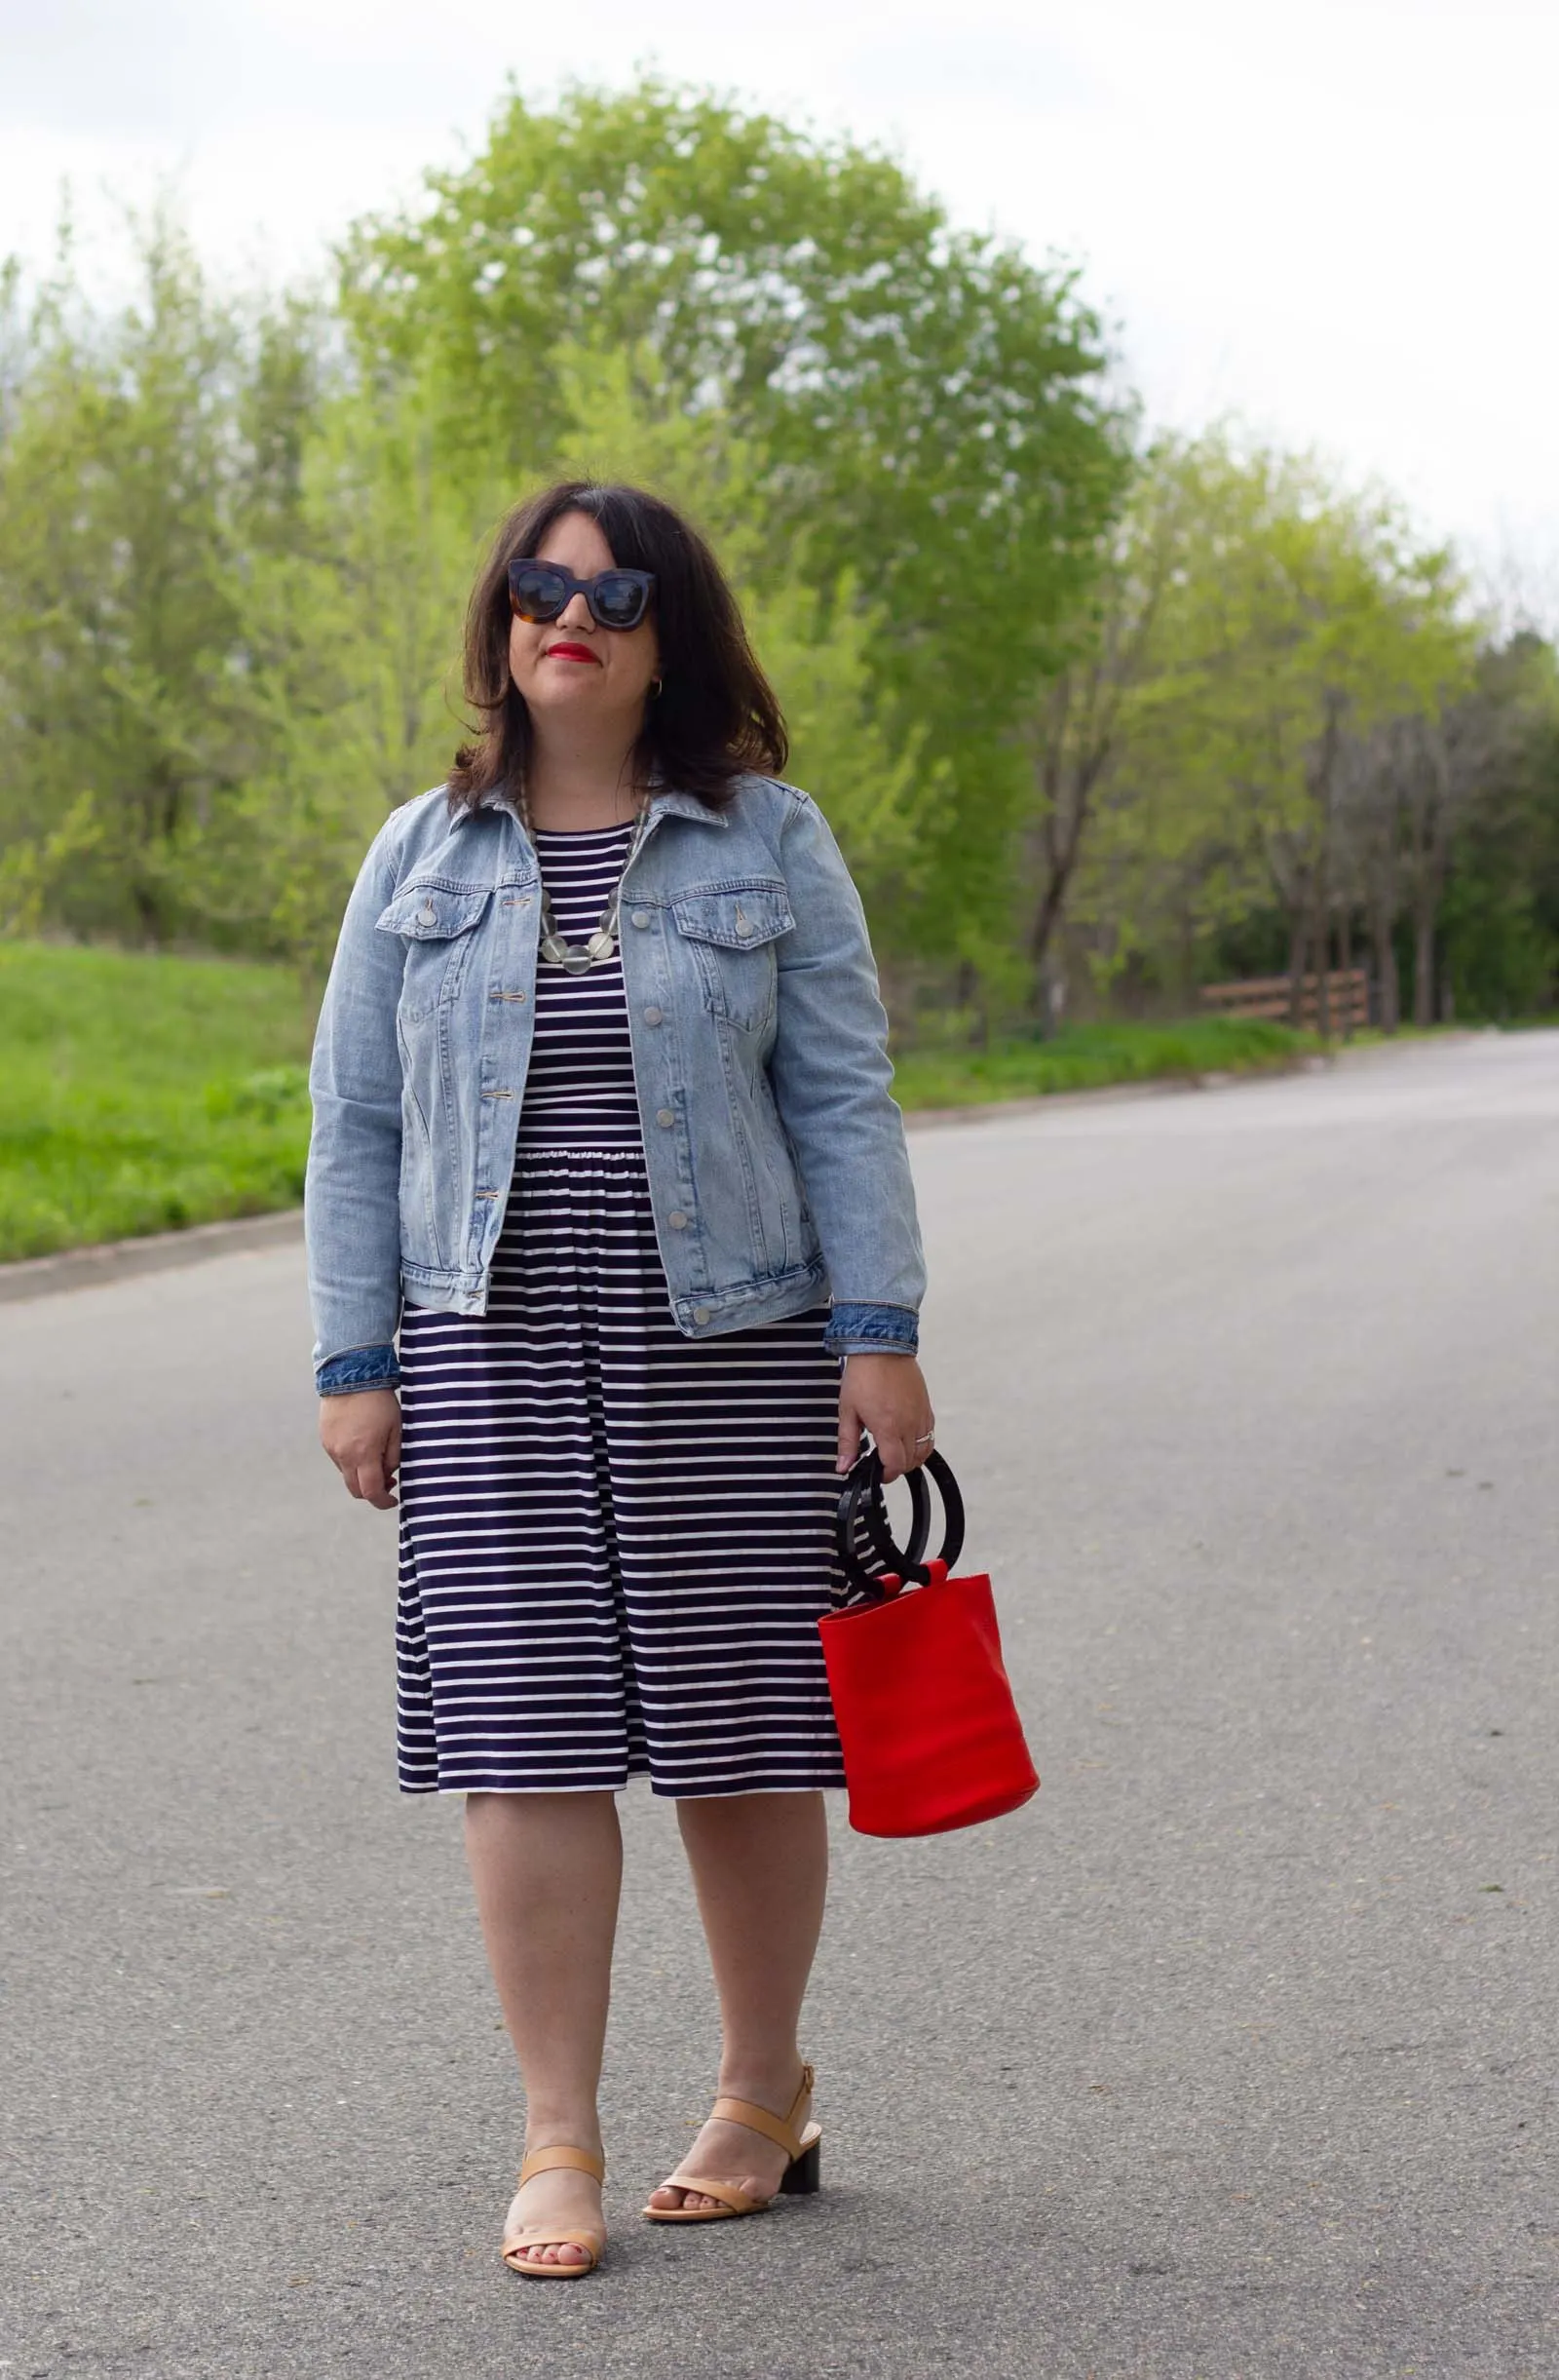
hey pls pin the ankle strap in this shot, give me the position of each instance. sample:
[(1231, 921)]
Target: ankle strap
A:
[(781, 2129), (573, 2160)]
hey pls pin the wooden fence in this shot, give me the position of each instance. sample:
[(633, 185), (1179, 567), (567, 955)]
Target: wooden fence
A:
[(1347, 999)]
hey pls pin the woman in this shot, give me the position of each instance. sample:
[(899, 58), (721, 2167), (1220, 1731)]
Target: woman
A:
[(602, 1125)]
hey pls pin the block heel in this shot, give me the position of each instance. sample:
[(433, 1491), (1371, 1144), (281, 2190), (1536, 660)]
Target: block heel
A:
[(804, 2173)]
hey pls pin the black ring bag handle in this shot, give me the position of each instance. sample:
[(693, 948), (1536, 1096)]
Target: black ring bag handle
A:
[(861, 1500), (929, 1732)]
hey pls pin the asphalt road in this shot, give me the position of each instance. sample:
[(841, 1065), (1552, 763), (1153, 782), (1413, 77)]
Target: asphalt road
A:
[(1230, 2058)]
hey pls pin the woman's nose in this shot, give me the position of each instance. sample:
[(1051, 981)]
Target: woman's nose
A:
[(575, 612)]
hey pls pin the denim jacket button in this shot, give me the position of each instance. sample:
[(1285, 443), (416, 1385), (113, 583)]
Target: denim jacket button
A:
[(664, 1117), (640, 917), (702, 1314), (652, 1016), (677, 1219), (427, 915)]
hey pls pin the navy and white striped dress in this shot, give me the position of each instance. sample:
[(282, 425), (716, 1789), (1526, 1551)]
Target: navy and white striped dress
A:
[(615, 1541)]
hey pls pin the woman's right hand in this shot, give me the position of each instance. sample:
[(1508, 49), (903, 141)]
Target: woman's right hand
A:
[(361, 1433)]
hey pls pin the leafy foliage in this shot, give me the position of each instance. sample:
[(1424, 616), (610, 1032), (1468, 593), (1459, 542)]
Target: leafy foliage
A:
[(1093, 719), (928, 406)]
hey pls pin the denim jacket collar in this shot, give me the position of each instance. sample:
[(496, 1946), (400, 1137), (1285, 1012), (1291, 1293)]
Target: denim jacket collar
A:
[(686, 805), (664, 801)]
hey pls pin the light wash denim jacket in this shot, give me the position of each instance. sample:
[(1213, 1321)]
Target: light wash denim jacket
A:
[(775, 1154)]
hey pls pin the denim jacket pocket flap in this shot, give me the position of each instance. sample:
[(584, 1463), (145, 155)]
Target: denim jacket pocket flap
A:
[(433, 913), (735, 920)]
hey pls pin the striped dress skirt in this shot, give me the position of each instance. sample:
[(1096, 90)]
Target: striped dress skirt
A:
[(615, 1543)]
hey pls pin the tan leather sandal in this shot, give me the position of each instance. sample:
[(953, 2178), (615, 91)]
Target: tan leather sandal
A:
[(800, 2179), (512, 2251)]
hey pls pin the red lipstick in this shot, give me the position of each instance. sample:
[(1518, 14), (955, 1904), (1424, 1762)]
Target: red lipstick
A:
[(570, 652)]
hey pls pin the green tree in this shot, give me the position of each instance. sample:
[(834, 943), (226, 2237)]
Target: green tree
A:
[(1469, 797), (1111, 739), (128, 489), (352, 647), (1201, 755), (117, 603), (929, 406)]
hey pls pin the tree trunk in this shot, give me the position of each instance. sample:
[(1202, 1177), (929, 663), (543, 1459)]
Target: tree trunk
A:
[(1323, 997), (1298, 937), (1388, 987), (967, 993), (1060, 860), (148, 914), (1345, 963), (1424, 965), (1053, 995)]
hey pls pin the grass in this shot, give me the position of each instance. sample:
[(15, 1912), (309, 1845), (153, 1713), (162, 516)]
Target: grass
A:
[(1090, 1056), (142, 1092)]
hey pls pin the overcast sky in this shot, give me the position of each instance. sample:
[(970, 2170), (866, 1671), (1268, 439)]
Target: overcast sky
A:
[(1336, 219)]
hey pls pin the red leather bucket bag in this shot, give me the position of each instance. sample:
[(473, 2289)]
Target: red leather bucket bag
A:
[(930, 1734)]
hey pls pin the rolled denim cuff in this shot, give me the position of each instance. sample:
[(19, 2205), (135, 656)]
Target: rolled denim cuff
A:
[(872, 1330), (361, 1367)]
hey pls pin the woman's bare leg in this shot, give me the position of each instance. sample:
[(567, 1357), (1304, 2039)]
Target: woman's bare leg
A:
[(760, 1867), (548, 1869)]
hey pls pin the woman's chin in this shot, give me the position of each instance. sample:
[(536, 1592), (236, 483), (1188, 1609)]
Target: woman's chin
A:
[(576, 689)]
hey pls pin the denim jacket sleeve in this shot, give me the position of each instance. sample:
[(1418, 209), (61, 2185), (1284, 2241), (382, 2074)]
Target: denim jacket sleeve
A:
[(872, 1330), (358, 1367), (352, 1187), (831, 1078)]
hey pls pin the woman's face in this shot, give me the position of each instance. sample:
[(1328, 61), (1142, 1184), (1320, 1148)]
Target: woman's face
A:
[(568, 669)]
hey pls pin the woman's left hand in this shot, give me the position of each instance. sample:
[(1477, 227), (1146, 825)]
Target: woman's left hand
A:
[(887, 1395)]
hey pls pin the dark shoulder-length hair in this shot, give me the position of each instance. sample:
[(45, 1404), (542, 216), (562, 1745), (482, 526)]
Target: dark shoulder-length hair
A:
[(715, 714)]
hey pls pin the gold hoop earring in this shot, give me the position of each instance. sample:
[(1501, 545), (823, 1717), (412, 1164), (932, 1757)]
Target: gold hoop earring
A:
[(656, 684)]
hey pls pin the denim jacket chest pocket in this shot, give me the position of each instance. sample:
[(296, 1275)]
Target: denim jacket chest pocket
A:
[(437, 921), (731, 934)]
